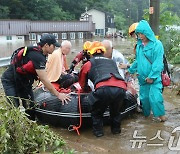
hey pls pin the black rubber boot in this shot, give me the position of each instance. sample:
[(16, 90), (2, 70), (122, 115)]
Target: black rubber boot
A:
[(98, 133), (115, 126), (97, 127), (115, 130)]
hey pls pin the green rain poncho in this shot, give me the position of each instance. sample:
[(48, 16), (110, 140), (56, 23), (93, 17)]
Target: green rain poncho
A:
[(150, 94)]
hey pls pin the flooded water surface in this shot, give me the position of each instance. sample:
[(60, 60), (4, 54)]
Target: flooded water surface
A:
[(138, 135), (8, 47)]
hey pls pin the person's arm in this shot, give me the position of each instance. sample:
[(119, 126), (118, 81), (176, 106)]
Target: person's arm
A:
[(65, 63), (131, 68), (124, 66), (76, 61), (83, 74), (43, 77), (157, 65)]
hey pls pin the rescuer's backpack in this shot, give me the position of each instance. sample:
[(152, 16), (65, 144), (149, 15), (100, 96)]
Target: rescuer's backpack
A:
[(17, 59), (18, 54)]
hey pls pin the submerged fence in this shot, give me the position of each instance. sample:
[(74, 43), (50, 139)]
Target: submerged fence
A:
[(5, 61)]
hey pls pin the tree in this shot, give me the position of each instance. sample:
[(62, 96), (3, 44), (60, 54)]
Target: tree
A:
[(4, 12), (34, 10), (169, 36)]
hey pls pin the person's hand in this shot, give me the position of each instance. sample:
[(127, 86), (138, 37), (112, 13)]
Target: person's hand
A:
[(127, 73), (123, 66), (148, 80), (64, 73), (64, 98), (69, 71)]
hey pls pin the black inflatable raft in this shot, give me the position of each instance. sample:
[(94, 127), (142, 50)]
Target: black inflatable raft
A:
[(49, 109)]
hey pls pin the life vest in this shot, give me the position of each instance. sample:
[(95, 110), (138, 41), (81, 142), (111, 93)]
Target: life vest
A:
[(102, 69), (17, 59)]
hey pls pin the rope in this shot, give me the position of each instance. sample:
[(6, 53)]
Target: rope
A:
[(28, 101), (73, 127)]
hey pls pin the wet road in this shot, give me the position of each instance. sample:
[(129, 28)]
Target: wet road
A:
[(153, 135)]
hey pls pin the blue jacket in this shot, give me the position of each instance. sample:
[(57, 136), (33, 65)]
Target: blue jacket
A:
[(154, 52)]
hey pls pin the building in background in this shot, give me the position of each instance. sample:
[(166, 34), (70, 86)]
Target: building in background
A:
[(104, 21), (27, 30)]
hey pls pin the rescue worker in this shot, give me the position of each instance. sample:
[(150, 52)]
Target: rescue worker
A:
[(81, 56), (109, 85), (17, 80), (132, 29), (132, 33)]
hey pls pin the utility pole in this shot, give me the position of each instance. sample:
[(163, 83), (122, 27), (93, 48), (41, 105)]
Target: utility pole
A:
[(154, 11)]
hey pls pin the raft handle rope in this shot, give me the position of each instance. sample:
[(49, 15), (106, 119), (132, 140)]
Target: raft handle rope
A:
[(73, 127)]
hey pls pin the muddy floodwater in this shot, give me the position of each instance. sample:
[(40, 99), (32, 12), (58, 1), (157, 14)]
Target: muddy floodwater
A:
[(139, 135), (150, 136)]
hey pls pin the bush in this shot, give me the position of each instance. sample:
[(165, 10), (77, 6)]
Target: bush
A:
[(170, 40), (20, 135), (176, 58)]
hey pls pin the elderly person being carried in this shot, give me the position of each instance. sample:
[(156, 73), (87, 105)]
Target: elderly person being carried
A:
[(56, 66)]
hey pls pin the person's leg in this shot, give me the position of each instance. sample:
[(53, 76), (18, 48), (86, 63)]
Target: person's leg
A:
[(144, 98), (98, 110), (27, 98), (10, 92), (115, 106), (156, 101), (28, 102), (67, 80)]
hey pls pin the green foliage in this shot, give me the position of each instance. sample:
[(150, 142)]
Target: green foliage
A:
[(169, 37), (131, 59), (146, 14), (176, 52), (34, 10), (120, 20), (126, 11), (174, 6), (167, 17), (20, 135), (2, 69), (4, 12)]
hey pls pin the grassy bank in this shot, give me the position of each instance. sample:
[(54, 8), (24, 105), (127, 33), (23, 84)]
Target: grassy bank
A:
[(20, 135)]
